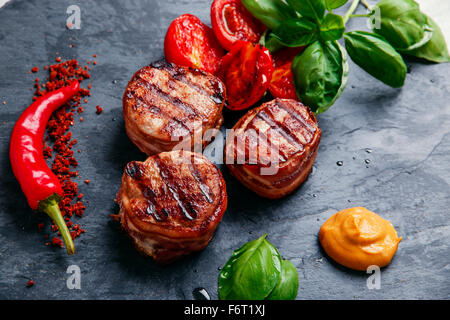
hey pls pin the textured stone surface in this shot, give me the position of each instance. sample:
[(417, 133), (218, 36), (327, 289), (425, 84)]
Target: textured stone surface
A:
[(407, 179)]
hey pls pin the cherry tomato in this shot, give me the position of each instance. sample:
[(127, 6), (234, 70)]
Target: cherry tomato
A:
[(189, 42), (282, 83), (231, 22), (246, 71)]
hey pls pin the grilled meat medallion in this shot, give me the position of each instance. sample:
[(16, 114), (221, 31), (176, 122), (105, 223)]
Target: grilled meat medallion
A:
[(165, 104), (273, 147), (171, 204)]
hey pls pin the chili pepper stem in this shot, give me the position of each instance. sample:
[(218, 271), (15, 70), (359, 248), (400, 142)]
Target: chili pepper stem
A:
[(350, 10), (52, 209)]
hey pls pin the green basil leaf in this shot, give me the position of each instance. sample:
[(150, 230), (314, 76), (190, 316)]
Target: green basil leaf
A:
[(334, 4), (270, 12), (309, 8), (376, 56), (402, 24), (320, 74), (436, 49), (287, 287), (296, 33), (251, 273), (332, 27)]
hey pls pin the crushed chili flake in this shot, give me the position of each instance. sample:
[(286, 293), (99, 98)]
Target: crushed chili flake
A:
[(34, 69), (87, 181), (57, 242), (58, 59), (40, 226), (30, 283), (99, 109), (59, 141)]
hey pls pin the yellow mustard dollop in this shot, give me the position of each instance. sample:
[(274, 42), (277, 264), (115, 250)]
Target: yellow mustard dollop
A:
[(358, 238)]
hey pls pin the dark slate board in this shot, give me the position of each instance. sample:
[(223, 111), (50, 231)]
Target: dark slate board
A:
[(407, 179)]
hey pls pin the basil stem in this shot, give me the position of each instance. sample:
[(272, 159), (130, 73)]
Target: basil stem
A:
[(350, 10)]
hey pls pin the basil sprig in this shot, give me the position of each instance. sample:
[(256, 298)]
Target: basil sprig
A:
[(320, 74), (287, 287), (402, 24), (334, 4), (376, 56), (270, 12), (320, 71), (256, 272), (434, 50)]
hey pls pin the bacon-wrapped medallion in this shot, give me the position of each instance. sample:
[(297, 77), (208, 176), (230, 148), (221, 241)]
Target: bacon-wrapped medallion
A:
[(273, 147), (165, 104), (171, 204)]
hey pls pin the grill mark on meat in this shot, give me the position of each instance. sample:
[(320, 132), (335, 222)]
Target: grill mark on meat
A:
[(311, 128), (177, 102), (282, 155), (133, 170), (179, 74), (157, 111), (281, 128), (297, 129), (153, 207), (178, 194), (199, 178)]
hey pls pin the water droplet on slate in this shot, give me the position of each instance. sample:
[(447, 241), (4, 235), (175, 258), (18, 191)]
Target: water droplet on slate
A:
[(314, 195), (367, 161), (201, 294), (114, 81), (340, 163), (368, 150)]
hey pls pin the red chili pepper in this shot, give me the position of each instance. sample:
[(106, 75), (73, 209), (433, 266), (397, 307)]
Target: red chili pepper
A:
[(39, 184)]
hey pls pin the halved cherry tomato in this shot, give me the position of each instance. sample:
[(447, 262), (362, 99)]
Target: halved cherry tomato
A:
[(231, 22), (189, 42), (246, 71), (282, 83)]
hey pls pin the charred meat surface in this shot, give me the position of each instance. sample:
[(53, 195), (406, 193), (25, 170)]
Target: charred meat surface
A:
[(273, 147), (165, 105), (171, 204)]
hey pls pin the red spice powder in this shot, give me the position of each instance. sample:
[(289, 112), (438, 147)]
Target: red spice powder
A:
[(59, 142), (99, 109), (30, 283)]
